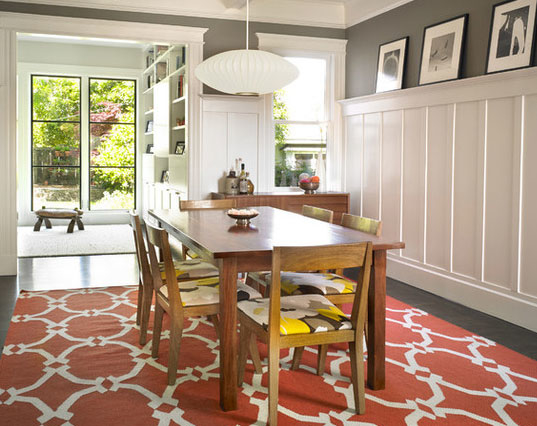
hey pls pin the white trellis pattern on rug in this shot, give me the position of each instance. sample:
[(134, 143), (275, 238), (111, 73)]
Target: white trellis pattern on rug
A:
[(72, 358)]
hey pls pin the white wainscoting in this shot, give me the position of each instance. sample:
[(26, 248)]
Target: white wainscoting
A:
[(232, 127), (451, 170)]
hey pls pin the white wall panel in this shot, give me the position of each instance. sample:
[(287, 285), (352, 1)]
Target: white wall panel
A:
[(413, 182), (371, 174), (353, 161), (439, 155), (391, 174), (468, 188), (214, 155), (499, 196), (528, 258), (457, 185), (242, 142)]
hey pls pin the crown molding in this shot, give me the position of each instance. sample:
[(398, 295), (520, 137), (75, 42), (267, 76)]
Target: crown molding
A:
[(357, 11), (318, 44)]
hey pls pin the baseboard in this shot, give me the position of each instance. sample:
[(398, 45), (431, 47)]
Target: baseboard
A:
[(508, 307), (8, 265)]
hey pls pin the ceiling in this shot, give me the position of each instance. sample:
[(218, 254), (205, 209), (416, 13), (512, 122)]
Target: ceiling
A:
[(322, 13)]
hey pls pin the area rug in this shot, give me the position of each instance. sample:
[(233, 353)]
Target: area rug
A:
[(94, 239), (72, 358)]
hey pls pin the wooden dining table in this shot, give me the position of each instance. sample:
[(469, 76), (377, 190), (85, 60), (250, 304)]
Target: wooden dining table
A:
[(236, 249)]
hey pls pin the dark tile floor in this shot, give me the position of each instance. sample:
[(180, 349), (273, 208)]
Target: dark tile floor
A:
[(111, 270)]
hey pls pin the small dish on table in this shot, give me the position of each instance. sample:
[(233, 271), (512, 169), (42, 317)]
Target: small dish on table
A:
[(242, 216)]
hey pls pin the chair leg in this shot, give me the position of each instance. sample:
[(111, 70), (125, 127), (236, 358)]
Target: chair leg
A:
[(244, 336), (79, 224), (71, 226), (297, 356), (146, 312), (358, 375), (139, 307), (216, 323), (321, 358), (254, 354), (37, 225), (274, 372), (48, 224), (176, 332), (157, 328)]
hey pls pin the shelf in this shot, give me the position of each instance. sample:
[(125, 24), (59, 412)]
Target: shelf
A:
[(150, 90), (149, 112), (180, 70), (148, 133), (179, 127), (181, 99), (159, 59)]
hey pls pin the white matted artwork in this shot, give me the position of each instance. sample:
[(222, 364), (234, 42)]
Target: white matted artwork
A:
[(441, 54), (391, 65), (512, 35)]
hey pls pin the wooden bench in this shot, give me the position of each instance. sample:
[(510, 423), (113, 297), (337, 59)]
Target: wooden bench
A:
[(47, 214)]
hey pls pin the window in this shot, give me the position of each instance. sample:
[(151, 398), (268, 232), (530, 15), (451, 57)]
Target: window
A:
[(55, 136), (61, 154), (300, 120)]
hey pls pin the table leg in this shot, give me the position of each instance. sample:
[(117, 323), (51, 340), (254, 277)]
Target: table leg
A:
[(228, 334), (37, 225), (376, 345)]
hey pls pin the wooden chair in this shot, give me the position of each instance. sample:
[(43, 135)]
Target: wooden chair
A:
[(183, 299), (262, 279), (185, 270), (200, 205), (318, 213), (273, 322)]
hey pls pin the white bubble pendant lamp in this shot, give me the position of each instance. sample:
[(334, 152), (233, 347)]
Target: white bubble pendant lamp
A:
[(246, 72)]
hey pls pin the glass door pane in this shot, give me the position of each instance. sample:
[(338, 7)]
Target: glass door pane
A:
[(55, 142), (112, 143)]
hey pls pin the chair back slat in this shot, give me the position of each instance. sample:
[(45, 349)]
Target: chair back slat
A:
[(318, 213), (207, 204), (157, 237), (360, 223), (322, 257)]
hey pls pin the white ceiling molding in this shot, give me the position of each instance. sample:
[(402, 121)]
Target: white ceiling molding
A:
[(317, 13), (357, 11), (290, 42)]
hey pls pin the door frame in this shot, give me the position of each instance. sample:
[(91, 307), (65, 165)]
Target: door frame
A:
[(13, 23)]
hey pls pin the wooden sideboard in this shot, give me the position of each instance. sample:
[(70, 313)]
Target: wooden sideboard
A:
[(338, 202)]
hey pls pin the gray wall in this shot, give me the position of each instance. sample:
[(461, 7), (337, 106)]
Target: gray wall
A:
[(410, 20)]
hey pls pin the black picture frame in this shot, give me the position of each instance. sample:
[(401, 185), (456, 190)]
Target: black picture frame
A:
[(149, 148), (442, 50), (389, 81), (179, 148), (149, 126), (501, 62), (165, 176)]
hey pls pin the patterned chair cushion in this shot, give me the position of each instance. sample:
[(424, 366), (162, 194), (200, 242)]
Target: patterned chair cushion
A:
[(205, 291), (191, 269), (303, 314), (313, 283)]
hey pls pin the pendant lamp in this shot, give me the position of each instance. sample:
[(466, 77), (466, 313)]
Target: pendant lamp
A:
[(245, 71)]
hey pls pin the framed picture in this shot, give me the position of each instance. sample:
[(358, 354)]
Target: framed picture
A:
[(149, 148), (391, 65), (165, 177), (149, 126), (512, 35), (179, 148), (442, 50)]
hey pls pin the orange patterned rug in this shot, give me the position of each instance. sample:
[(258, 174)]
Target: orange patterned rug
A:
[(72, 358)]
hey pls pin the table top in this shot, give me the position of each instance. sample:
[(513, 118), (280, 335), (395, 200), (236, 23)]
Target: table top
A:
[(212, 231)]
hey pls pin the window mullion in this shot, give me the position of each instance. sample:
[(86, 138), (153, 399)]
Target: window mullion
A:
[(84, 143)]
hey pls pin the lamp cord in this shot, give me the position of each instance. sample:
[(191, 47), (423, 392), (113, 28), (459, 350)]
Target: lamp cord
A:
[(247, 21)]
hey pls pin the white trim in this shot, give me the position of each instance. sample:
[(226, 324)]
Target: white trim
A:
[(294, 12), (354, 11), (300, 43), (59, 25)]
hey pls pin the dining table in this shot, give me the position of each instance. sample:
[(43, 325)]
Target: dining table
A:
[(235, 249)]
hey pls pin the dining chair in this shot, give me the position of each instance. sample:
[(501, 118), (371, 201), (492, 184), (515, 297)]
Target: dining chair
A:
[(307, 319), (202, 205), (184, 270), (183, 299), (261, 279)]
